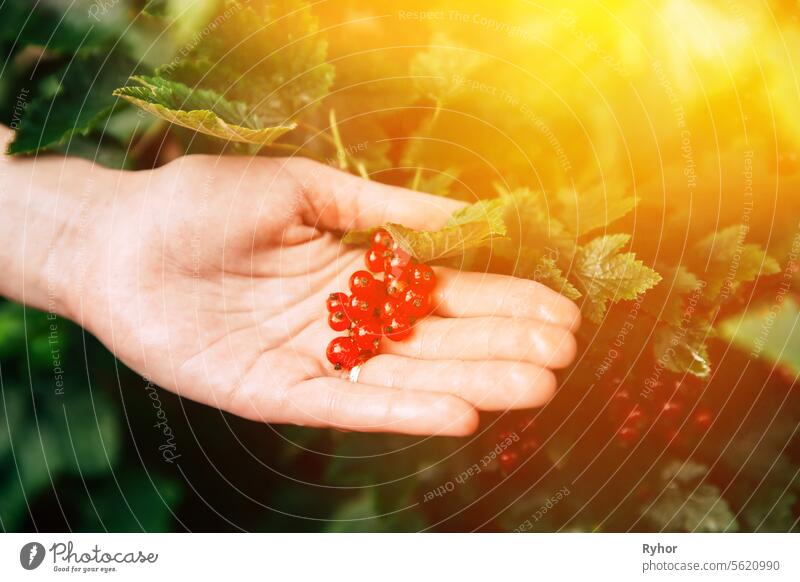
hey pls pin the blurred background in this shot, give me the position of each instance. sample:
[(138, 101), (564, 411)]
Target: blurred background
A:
[(652, 151)]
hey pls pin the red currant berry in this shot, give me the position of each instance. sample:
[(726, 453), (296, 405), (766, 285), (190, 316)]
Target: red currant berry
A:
[(530, 445), (336, 302), (703, 419), (397, 328), (635, 417), (671, 410), (389, 309), (628, 434), (381, 238), (508, 460), (338, 321), (416, 304), (342, 352), (364, 284), (396, 288), (367, 335), (423, 277), (360, 308), (398, 264), (374, 259)]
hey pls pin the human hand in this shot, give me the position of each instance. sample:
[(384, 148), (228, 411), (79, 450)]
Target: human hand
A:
[(209, 276)]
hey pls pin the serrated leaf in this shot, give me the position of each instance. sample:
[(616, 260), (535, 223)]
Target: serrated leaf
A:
[(451, 241), (684, 350), (468, 228), (200, 110), (79, 100), (607, 275), (725, 261), (531, 221), (533, 264), (689, 504)]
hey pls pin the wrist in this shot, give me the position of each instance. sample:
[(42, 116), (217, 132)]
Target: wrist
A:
[(51, 207)]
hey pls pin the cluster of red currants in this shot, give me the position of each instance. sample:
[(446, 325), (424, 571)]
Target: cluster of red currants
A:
[(383, 302), (526, 445), (670, 413)]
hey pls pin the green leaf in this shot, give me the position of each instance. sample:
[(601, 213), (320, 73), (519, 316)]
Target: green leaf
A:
[(79, 100), (544, 269), (607, 275), (667, 300), (200, 110), (684, 350), (531, 221), (468, 228), (269, 55), (769, 331), (687, 503), (451, 241), (592, 208), (725, 260), (81, 25)]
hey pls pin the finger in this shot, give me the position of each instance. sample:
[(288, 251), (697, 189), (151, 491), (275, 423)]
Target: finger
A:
[(341, 201), (491, 385), (332, 402), (470, 294), (488, 338)]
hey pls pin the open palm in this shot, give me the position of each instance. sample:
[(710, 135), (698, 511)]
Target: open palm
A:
[(209, 276)]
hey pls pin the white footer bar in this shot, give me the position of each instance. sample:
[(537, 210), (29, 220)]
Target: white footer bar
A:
[(401, 557)]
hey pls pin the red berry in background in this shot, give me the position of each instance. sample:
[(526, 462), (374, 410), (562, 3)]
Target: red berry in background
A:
[(635, 417), (508, 460), (397, 328), (367, 335), (374, 259), (336, 302), (416, 304), (620, 405), (363, 284), (671, 410), (389, 309), (423, 277), (381, 238), (360, 308), (628, 435), (702, 419), (342, 352), (396, 288), (338, 321)]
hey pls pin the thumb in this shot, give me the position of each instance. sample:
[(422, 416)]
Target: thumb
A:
[(340, 201)]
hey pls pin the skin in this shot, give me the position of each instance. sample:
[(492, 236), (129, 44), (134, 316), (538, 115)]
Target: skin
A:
[(209, 276)]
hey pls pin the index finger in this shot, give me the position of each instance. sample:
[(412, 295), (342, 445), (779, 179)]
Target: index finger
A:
[(472, 294)]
